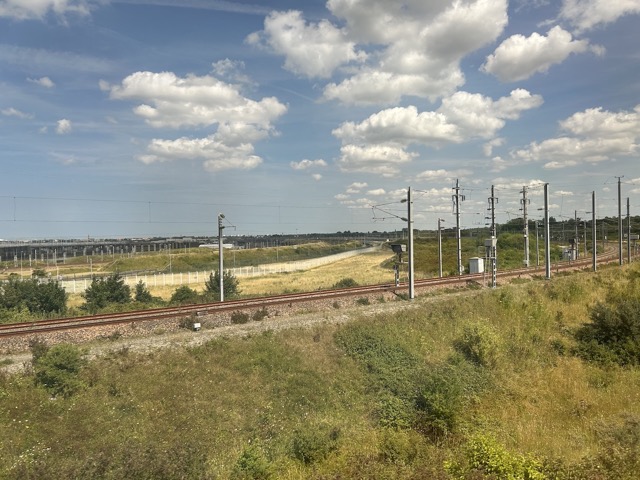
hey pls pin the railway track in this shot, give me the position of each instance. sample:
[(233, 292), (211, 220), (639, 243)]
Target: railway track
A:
[(62, 324)]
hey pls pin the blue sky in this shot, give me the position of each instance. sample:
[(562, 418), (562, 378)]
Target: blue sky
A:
[(149, 117)]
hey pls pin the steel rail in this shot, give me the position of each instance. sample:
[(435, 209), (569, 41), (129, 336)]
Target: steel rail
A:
[(60, 324)]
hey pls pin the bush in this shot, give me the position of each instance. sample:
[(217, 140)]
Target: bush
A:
[(238, 317), (261, 314), (142, 293), (485, 456), (479, 344), (252, 465), (58, 368), (345, 283), (613, 335), (184, 295), (230, 285), (105, 291), (444, 390), (35, 294), (314, 443)]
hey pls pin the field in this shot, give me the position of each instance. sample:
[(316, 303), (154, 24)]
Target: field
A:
[(478, 384)]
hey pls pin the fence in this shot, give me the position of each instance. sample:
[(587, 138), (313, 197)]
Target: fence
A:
[(188, 278)]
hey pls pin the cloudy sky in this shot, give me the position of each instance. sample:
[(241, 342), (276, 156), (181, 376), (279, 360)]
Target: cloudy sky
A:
[(149, 117)]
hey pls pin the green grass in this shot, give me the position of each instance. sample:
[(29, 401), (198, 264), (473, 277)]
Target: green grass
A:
[(476, 385)]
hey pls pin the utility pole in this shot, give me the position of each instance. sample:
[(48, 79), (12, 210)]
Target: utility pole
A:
[(593, 233), (492, 244), (620, 220), (220, 260), (409, 221), (440, 248), (537, 247), (576, 240), (628, 232), (524, 202), (457, 198), (410, 249), (547, 239)]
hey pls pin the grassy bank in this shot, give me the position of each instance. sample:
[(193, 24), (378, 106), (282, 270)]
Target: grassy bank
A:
[(482, 385)]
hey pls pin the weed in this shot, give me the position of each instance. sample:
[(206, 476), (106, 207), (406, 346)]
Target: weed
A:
[(259, 315), (314, 443), (252, 465), (336, 305), (238, 317), (345, 283), (363, 301)]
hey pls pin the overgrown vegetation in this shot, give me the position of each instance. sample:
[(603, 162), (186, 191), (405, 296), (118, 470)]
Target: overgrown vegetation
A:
[(476, 386)]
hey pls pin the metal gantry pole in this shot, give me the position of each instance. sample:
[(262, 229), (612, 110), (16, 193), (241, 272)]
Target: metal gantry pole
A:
[(620, 261), (220, 258), (526, 226), (628, 231), (456, 201), (410, 248), (547, 239), (593, 233), (439, 248)]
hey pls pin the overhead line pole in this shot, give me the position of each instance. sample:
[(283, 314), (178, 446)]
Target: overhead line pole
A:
[(593, 233), (457, 198), (628, 231), (620, 261), (410, 248), (220, 260), (526, 226), (547, 239)]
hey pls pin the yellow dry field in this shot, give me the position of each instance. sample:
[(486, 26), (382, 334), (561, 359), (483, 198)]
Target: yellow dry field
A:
[(364, 269)]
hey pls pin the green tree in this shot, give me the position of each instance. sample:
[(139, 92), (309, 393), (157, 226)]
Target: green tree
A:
[(36, 294), (105, 291), (212, 285), (57, 369), (184, 295), (142, 293)]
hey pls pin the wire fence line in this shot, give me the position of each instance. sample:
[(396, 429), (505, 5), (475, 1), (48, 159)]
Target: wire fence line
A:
[(197, 277)]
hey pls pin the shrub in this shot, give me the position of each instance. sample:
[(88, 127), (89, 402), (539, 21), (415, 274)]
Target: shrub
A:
[(58, 368), (444, 390), (238, 317), (229, 283), (142, 293), (252, 465), (35, 294), (261, 314), (314, 443), (613, 335), (184, 295), (345, 283), (400, 448), (104, 291), (485, 456), (479, 344)]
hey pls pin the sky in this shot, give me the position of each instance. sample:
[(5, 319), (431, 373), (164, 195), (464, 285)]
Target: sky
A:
[(138, 118)]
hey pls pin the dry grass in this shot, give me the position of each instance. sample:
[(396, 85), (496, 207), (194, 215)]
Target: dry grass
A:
[(364, 269)]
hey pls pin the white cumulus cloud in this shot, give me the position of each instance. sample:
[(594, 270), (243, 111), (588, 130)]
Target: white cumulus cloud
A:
[(14, 112), (379, 144), (312, 50), (587, 14), (306, 164), (413, 48), (519, 57), (39, 9), (63, 126), (45, 82), (594, 135), (169, 101)]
